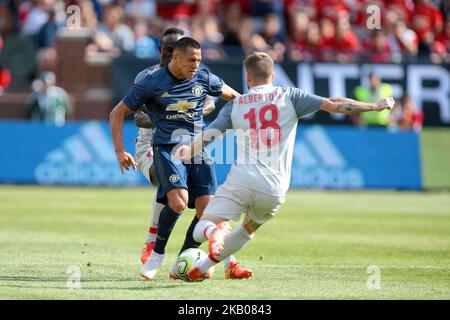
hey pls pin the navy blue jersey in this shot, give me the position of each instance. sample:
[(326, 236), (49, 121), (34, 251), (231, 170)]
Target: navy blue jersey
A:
[(173, 104)]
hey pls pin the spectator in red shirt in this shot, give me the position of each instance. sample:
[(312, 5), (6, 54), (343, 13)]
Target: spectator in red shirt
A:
[(244, 5), (311, 48), (300, 23), (5, 79), (440, 50), (404, 8), (328, 34), (426, 19), (332, 9), (444, 36), (307, 6), (380, 48), (346, 44), (408, 116), (175, 9)]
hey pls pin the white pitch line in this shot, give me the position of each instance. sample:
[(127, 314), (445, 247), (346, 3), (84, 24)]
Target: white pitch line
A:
[(94, 264), (352, 267)]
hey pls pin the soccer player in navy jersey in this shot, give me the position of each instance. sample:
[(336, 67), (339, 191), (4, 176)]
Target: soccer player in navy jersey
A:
[(174, 96), (143, 143)]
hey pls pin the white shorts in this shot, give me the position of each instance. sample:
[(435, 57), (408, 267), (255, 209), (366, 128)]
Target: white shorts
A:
[(230, 201), (143, 155)]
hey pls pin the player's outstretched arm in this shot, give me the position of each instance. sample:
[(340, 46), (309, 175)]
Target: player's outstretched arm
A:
[(350, 106), (116, 119), (228, 93)]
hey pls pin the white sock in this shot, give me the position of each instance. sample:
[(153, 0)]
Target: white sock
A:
[(227, 261), (203, 230), (154, 218), (233, 242)]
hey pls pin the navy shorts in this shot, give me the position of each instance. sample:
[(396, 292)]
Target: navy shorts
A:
[(198, 179)]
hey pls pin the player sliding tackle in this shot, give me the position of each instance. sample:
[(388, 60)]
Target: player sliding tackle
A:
[(268, 115)]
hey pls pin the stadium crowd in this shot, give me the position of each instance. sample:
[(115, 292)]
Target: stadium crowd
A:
[(295, 30), (298, 30)]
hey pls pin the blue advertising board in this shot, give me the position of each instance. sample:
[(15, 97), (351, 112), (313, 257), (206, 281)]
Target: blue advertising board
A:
[(349, 158), (330, 157), (78, 153)]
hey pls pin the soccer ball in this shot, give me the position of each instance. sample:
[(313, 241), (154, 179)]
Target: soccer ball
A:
[(188, 259)]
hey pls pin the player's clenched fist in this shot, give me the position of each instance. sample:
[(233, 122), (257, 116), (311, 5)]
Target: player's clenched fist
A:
[(125, 160), (387, 103)]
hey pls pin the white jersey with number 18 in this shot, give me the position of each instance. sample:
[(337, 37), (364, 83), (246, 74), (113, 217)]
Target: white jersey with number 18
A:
[(265, 121)]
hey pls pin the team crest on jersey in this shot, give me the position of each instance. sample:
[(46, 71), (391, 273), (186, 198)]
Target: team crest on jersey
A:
[(174, 178), (197, 90), (165, 94), (181, 106)]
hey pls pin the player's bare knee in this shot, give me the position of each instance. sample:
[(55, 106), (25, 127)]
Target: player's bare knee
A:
[(178, 205), (177, 200), (199, 214)]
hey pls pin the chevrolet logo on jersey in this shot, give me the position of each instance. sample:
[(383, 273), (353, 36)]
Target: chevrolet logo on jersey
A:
[(181, 106)]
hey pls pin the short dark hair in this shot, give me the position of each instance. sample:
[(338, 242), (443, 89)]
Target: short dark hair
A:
[(186, 42), (171, 31)]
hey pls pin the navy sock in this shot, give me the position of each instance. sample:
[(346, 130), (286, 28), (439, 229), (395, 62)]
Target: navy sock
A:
[(167, 220), (189, 241)]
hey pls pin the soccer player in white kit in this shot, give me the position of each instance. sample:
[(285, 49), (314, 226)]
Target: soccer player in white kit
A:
[(265, 120)]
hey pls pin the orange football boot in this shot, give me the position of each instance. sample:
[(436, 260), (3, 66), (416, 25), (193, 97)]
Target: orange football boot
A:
[(196, 275), (236, 271), (147, 251)]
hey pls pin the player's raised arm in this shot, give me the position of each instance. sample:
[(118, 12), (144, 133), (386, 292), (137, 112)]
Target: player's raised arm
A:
[(350, 106)]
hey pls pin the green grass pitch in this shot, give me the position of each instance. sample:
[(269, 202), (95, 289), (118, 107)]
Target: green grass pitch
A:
[(319, 246)]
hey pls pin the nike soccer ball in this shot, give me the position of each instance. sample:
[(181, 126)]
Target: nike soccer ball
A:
[(188, 259)]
